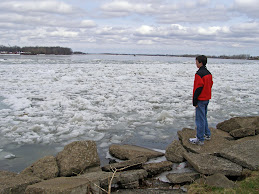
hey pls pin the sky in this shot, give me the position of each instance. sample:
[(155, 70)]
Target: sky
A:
[(211, 27)]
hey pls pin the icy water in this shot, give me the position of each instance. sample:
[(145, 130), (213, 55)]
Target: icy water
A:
[(47, 102)]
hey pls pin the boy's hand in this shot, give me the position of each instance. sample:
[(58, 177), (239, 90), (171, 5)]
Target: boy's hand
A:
[(196, 106)]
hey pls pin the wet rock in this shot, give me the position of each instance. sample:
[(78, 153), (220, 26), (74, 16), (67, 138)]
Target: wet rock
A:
[(219, 140), (45, 168), (208, 164), (243, 132), (245, 153), (126, 165), (174, 152), (239, 122), (219, 180), (157, 168), (126, 152), (77, 157), (16, 184), (179, 178)]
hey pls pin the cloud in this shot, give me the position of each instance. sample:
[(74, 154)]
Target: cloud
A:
[(54, 7), (248, 7)]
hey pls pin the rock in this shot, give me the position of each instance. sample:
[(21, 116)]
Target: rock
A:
[(125, 179), (6, 174), (242, 132), (64, 185), (179, 178), (244, 153), (174, 152), (131, 178), (219, 140), (45, 168), (239, 122), (101, 178), (126, 165), (16, 184), (77, 157), (208, 164), (126, 152), (219, 180), (157, 168)]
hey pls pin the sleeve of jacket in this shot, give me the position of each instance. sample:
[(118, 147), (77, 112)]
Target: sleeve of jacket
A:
[(197, 89)]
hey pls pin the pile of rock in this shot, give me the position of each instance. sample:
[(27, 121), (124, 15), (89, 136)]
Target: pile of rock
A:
[(232, 151)]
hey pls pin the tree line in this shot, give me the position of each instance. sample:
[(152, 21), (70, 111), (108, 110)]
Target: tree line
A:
[(37, 50)]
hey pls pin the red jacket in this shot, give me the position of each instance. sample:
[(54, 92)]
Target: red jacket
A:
[(202, 85)]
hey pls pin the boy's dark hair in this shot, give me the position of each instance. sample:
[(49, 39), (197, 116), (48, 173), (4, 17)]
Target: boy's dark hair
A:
[(202, 59)]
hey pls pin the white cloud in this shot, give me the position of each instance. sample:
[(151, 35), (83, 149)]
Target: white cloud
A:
[(145, 30)]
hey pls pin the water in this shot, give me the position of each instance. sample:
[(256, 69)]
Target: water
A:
[(47, 102)]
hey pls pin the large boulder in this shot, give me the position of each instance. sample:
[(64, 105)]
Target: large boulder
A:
[(127, 152), (174, 152), (12, 184), (208, 164), (179, 178), (77, 157), (245, 153), (239, 122), (219, 140), (157, 168), (126, 165), (45, 168)]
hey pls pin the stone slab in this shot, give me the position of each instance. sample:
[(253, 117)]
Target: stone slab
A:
[(179, 178), (63, 185), (208, 164), (245, 154), (126, 152)]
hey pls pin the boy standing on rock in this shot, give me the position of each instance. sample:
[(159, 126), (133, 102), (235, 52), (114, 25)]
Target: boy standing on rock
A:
[(201, 96)]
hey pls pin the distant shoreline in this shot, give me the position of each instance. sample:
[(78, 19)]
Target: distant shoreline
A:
[(245, 57)]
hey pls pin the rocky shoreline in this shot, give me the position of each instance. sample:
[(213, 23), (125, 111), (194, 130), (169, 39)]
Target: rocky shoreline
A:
[(230, 155)]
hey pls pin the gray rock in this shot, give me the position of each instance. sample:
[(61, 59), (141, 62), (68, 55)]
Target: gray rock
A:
[(125, 179), (245, 153), (132, 176), (174, 152), (157, 168), (10, 184), (45, 168), (242, 132), (219, 140), (208, 164), (219, 180), (101, 178), (77, 157), (179, 178), (64, 185), (126, 165), (239, 122), (126, 152)]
